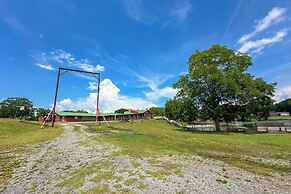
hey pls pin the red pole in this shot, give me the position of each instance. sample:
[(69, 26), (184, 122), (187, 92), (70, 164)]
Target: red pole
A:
[(55, 100), (97, 105)]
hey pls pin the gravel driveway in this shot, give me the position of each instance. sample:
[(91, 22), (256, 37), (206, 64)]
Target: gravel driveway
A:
[(57, 165)]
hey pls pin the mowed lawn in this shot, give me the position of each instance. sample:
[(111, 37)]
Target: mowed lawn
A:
[(259, 153), (14, 138), (14, 133)]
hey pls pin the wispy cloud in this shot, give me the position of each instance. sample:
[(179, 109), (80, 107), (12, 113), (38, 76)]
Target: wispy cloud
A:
[(92, 86), (276, 15), (230, 21), (135, 10), (89, 67), (178, 13), (258, 45), (282, 94), (154, 83), (138, 11), (182, 10), (45, 66), (66, 59), (15, 24)]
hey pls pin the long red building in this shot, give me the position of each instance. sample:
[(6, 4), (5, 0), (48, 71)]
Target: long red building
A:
[(118, 115)]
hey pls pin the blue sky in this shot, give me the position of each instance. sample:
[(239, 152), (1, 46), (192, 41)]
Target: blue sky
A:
[(140, 47)]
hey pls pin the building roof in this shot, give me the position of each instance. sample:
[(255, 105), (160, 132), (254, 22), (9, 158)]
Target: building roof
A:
[(129, 110), (76, 114), (79, 114)]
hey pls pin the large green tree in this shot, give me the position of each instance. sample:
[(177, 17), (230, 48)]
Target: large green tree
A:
[(181, 109), (157, 111), (173, 109), (220, 88), (16, 107)]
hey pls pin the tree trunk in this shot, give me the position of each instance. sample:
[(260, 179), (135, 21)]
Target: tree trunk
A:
[(217, 124)]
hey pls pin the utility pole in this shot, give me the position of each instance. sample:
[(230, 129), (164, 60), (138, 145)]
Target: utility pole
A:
[(55, 99), (98, 95)]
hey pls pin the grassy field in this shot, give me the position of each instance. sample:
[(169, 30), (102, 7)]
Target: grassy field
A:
[(14, 133), (260, 153), (14, 136), (280, 118)]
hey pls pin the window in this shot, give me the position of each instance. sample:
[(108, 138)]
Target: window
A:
[(76, 118)]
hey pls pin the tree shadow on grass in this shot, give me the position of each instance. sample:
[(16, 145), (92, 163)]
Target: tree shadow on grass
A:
[(249, 132), (30, 122)]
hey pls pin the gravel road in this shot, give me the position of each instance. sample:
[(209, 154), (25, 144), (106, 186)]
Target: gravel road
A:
[(45, 168)]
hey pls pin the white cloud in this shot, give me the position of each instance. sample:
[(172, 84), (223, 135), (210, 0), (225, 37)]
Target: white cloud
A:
[(45, 66), (274, 16), (182, 10), (167, 92), (282, 94), (178, 12), (134, 9), (110, 100), (153, 83), (89, 67), (64, 58), (93, 86), (258, 45), (66, 102), (59, 56)]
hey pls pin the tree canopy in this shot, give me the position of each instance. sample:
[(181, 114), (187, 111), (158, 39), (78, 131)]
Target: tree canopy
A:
[(16, 107), (157, 111), (218, 86), (181, 110)]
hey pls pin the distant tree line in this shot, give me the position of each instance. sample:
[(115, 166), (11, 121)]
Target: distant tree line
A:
[(16, 107), (21, 108), (78, 111), (283, 106)]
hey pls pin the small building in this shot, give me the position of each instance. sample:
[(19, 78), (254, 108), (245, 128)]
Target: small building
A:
[(119, 115), (282, 113)]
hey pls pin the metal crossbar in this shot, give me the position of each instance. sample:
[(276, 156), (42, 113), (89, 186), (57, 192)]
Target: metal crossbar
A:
[(62, 71)]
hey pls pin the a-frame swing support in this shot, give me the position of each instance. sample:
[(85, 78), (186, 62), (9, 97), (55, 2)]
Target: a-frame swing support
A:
[(62, 71)]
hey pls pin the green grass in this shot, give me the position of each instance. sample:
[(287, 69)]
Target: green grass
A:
[(14, 136), (14, 133), (157, 138), (222, 181), (102, 171), (280, 117), (97, 189)]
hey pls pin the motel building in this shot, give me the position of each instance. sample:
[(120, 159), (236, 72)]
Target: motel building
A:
[(122, 115)]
